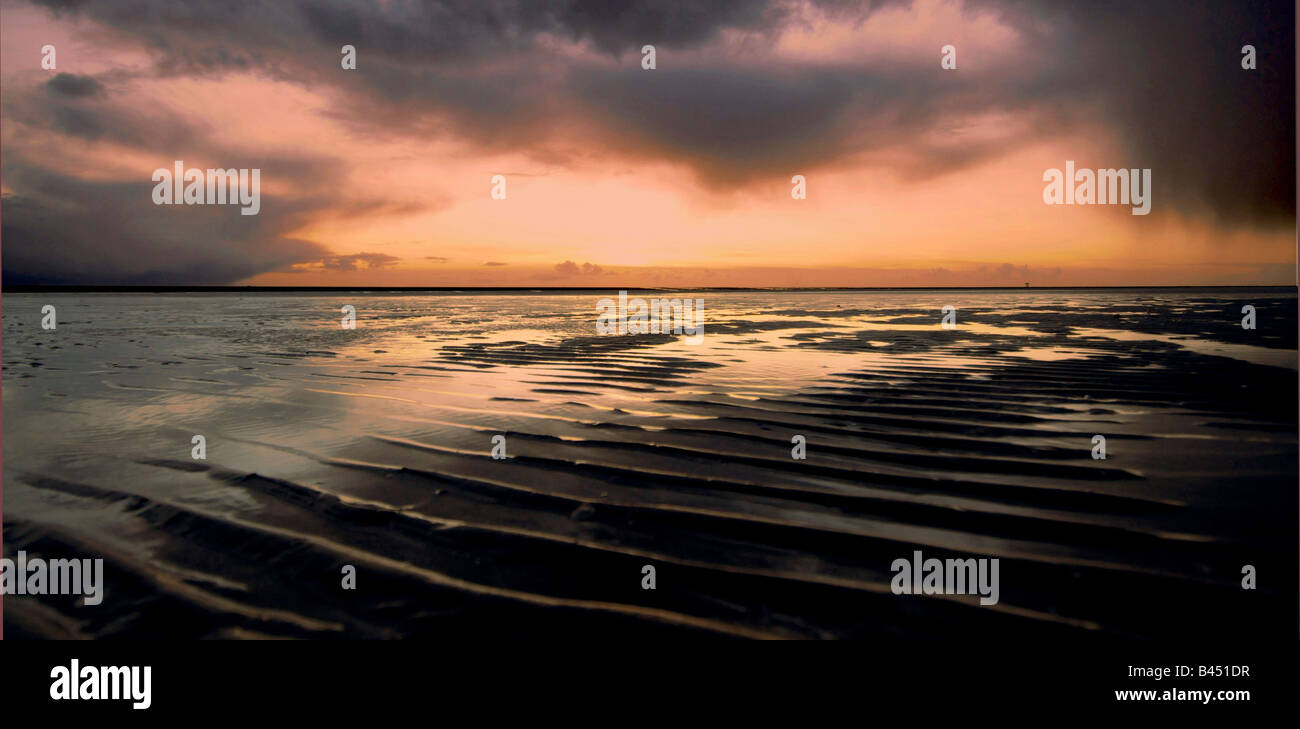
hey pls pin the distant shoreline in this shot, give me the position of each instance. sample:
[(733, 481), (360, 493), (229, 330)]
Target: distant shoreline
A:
[(49, 288)]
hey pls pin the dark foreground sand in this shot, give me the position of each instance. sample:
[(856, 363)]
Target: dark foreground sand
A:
[(370, 447)]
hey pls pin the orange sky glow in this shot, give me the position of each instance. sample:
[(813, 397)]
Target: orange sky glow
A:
[(605, 201)]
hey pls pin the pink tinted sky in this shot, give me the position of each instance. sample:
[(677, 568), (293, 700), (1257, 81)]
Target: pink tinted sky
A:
[(585, 190)]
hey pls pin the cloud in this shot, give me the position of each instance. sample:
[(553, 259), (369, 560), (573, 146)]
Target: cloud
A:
[(569, 268), (560, 80), (1162, 76), (494, 263), (61, 229), (350, 262), (1166, 76), (72, 85)]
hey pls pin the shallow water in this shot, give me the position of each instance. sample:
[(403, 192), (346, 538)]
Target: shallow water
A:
[(371, 447)]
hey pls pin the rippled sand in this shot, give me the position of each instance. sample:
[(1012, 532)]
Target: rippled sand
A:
[(371, 447)]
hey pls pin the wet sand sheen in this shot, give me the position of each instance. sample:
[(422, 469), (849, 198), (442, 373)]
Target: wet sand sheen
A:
[(372, 446)]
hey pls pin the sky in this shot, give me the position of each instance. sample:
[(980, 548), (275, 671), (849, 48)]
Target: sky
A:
[(676, 176)]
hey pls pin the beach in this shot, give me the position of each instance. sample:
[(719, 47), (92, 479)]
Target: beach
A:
[(373, 447)]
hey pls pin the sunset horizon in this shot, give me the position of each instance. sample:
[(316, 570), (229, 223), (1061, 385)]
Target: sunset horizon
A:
[(807, 145)]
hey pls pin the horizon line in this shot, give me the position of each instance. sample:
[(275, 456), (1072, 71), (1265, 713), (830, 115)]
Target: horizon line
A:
[(126, 288)]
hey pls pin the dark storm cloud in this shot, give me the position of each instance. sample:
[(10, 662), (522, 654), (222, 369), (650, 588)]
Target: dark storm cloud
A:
[(69, 84), (195, 35), (1163, 75), (735, 125), (58, 228), (61, 229), (83, 107), (1167, 75)]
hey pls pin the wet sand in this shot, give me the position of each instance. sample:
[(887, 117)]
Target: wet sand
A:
[(371, 447)]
